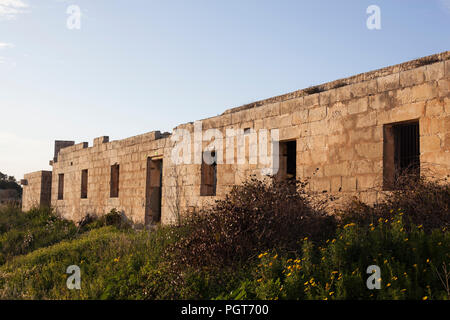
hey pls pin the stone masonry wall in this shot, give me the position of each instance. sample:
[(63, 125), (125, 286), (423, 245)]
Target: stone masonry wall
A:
[(339, 127), (36, 190)]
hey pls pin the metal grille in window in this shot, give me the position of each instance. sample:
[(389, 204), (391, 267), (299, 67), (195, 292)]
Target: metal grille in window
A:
[(407, 148)]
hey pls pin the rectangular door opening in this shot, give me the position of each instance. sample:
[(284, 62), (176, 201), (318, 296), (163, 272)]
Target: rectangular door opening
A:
[(288, 160), (153, 191), (401, 154)]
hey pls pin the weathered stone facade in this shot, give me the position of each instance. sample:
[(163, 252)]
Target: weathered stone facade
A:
[(36, 190), (344, 135)]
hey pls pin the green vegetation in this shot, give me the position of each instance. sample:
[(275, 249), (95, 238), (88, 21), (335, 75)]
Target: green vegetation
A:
[(9, 182), (21, 233), (315, 257)]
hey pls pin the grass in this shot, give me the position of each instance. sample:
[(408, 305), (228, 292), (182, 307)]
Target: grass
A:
[(118, 262)]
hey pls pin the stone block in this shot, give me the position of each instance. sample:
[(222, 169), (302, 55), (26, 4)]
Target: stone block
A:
[(317, 113), (366, 120), (358, 105), (266, 111), (338, 169), (336, 184), (300, 116), (435, 71), (311, 100), (389, 82), (412, 77), (368, 181), (348, 184), (290, 106), (444, 88), (430, 143), (434, 108), (369, 150)]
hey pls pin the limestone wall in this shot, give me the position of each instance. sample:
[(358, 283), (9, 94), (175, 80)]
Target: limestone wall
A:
[(131, 154), (36, 190), (339, 127)]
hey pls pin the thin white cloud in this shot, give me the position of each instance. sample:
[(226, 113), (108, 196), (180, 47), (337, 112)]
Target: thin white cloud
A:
[(4, 45), (9, 9), (446, 5)]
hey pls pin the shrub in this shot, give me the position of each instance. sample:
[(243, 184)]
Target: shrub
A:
[(24, 232), (423, 201), (409, 261), (112, 218), (255, 216)]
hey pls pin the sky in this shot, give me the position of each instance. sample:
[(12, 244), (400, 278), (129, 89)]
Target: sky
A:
[(134, 66)]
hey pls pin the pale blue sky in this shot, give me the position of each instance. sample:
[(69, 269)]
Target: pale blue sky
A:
[(141, 65)]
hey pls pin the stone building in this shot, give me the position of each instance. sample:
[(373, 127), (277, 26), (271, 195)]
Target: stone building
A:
[(351, 137)]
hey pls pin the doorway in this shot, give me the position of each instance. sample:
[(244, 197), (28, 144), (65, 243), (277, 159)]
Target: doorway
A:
[(153, 191), (288, 160)]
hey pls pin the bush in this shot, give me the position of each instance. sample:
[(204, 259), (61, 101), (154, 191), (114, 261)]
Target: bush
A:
[(410, 262), (21, 232), (255, 216), (423, 201), (264, 241), (112, 218)]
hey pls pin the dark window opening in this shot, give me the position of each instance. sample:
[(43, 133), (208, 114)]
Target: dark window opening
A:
[(209, 177), (291, 155), (84, 184), (60, 186), (288, 160), (114, 184), (401, 152)]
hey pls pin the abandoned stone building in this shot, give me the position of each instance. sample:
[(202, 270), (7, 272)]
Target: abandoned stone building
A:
[(350, 136)]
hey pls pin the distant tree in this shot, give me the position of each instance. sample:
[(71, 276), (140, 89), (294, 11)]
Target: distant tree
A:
[(9, 182)]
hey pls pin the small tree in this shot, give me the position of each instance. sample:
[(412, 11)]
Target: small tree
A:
[(9, 182)]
